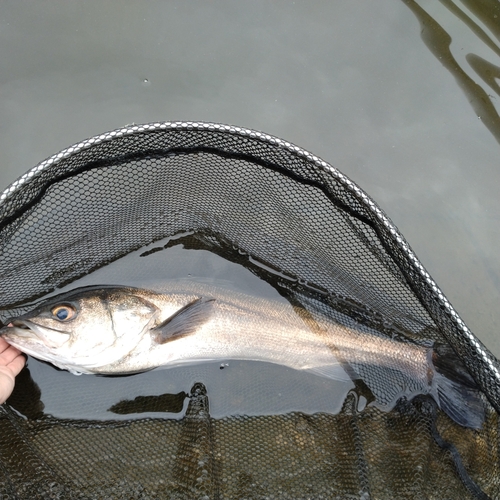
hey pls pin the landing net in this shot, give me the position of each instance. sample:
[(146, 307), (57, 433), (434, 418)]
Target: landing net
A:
[(291, 216)]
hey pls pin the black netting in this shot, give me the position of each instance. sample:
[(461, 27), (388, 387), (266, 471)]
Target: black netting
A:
[(280, 211)]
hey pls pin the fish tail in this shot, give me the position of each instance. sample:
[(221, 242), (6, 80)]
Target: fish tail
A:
[(453, 388)]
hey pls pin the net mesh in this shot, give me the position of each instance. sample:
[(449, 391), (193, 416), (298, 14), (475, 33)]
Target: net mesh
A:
[(283, 209)]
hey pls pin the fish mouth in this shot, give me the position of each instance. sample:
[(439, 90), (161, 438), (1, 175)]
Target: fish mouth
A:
[(19, 324), (25, 329), (18, 328)]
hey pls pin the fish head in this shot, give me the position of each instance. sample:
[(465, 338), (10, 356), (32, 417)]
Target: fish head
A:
[(84, 330)]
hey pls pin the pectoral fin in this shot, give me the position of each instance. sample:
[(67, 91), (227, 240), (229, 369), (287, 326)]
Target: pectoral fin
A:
[(184, 322)]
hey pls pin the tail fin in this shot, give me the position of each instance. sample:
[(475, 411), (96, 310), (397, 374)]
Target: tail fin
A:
[(453, 388)]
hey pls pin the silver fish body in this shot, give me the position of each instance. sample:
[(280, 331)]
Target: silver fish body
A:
[(117, 330)]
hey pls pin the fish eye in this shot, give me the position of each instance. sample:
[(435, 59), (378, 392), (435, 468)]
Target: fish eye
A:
[(64, 312)]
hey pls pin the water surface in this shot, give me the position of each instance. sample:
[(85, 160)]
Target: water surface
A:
[(353, 82)]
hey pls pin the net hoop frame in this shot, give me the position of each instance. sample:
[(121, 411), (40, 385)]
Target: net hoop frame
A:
[(480, 352)]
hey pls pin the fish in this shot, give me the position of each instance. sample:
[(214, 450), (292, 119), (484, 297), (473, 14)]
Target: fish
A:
[(114, 330)]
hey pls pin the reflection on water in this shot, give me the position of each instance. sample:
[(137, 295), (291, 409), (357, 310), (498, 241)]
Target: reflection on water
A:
[(439, 42), (241, 388)]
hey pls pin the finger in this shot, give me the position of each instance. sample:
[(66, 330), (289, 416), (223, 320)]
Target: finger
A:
[(9, 354), (6, 383), (17, 364)]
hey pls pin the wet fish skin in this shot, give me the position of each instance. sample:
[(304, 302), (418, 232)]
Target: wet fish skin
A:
[(117, 330), (122, 330)]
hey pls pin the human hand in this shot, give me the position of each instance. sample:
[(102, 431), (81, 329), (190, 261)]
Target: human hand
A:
[(12, 362)]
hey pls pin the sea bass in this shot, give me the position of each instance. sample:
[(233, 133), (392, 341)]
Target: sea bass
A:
[(119, 330)]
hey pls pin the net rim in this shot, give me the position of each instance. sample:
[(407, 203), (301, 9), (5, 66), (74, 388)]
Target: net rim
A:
[(481, 351)]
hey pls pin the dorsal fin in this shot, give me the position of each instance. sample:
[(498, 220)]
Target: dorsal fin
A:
[(184, 322)]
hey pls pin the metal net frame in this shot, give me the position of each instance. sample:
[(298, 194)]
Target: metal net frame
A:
[(236, 142)]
